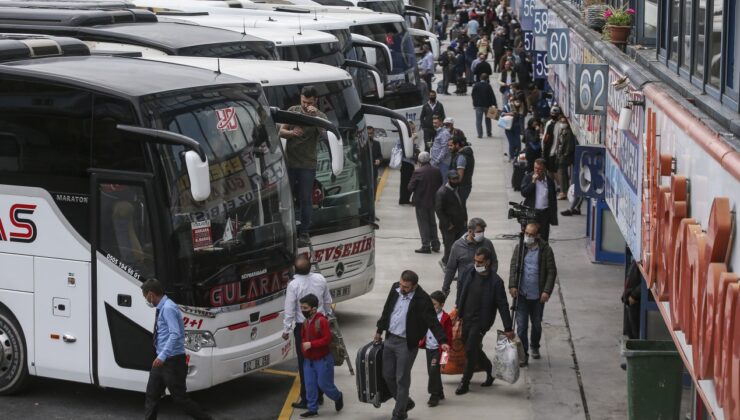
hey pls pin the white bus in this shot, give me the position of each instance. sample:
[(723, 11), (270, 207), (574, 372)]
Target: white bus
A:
[(115, 170)]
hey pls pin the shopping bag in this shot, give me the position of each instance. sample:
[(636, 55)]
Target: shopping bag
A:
[(492, 112), (506, 360), (396, 158), (506, 122), (454, 363)]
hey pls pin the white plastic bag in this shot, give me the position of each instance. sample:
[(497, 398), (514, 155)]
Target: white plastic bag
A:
[(396, 158), (506, 360), (506, 122)]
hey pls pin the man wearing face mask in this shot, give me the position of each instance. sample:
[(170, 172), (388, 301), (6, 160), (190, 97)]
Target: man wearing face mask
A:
[(169, 368), (304, 282), (463, 253), (429, 110), (534, 288), (451, 213), (482, 294)]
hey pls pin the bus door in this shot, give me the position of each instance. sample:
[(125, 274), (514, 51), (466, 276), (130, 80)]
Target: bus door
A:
[(124, 256)]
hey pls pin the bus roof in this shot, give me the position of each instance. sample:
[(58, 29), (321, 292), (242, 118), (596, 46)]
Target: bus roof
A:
[(124, 76), (49, 16), (21, 46), (268, 73), (61, 4)]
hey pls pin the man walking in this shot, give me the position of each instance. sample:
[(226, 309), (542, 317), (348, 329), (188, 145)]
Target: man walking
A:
[(482, 294), (169, 368), (300, 153), (408, 314), (451, 214), (534, 288), (426, 66), (482, 68), (463, 253), (463, 161), (430, 109), (439, 152), (304, 283), (424, 183), (538, 190), (483, 98)]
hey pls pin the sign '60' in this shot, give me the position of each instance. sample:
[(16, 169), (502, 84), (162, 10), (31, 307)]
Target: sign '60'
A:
[(558, 46)]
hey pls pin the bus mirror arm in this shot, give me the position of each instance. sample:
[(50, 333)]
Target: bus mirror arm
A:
[(377, 46), (196, 160), (378, 78), (399, 121), (336, 148)]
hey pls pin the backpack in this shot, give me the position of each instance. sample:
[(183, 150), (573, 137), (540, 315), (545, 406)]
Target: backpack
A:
[(338, 352)]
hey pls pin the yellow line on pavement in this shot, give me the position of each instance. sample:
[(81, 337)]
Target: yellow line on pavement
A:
[(287, 412), (381, 183), (281, 372)]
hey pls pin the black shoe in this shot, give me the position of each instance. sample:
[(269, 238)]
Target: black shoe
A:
[(525, 363), (423, 250), (623, 365), (339, 404), (410, 405), (536, 353), (489, 135), (571, 212), (433, 401), (321, 399), (462, 389), (435, 248), (308, 414), (300, 404), (489, 381), (480, 137)]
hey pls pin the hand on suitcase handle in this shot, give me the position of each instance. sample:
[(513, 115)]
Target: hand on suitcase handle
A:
[(378, 338)]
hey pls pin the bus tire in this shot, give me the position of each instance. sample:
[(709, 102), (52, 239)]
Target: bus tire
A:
[(13, 356)]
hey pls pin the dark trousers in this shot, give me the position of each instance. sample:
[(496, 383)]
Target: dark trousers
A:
[(299, 355), (427, 227), (464, 192), (445, 80), (543, 218), (434, 387), (301, 183), (398, 360), (529, 310), (632, 321), (428, 137), (449, 237), (480, 115), (473, 337), (563, 171), (404, 196), (171, 376)]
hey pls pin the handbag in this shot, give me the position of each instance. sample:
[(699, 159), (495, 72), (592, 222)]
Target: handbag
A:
[(396, 158), (493, 112), (506, 122)]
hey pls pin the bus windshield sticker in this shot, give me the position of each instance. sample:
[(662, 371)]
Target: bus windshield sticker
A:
[(201, 234), (227, 119)]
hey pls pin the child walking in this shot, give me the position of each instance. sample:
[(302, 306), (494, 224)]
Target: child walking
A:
[(429, 343)]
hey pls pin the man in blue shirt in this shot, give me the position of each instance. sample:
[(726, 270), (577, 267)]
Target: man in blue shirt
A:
[(426, 66), (440, 153), (169, 369)]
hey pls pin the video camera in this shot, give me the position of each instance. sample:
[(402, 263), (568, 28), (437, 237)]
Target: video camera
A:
[(523, 214)]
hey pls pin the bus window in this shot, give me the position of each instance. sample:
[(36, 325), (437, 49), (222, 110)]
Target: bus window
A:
[(110, 149)]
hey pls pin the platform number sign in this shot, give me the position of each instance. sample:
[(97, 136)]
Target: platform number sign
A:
[(540, 65), (558, 47), (527, 15), (540, 26), (528, 40), (592, 92)]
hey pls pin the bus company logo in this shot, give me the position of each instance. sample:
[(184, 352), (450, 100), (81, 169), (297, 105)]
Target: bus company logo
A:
[(335, 252), (227, 119), (20, 229), (249, 289)]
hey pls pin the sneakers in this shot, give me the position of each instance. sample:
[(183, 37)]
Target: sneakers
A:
[(571, 212), (308, 414), (536, 353), (423, 250), (339, 404)]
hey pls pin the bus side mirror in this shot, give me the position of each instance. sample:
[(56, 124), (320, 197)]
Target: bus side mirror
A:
[(336, 151), (379, 86), (370, 55), (199, 175), (406, 141)]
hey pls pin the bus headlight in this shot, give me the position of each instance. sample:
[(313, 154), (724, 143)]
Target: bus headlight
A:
[(196, 340)]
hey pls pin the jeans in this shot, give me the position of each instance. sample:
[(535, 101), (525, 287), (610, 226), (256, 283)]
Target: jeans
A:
[(301, 359), (427, 222), (529, 310), (443, 167), (170, 375), (397, 362), (480, 113), (319, 376), (515, 141), (473, 337), (434, 387), (301, 183)]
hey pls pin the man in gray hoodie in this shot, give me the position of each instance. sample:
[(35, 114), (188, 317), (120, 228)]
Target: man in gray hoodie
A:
[(463, 253)]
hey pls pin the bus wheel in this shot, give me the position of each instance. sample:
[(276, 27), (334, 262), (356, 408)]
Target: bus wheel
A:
[(13, 356)]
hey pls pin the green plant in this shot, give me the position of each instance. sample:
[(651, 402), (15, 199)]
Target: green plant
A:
[(621, 16)]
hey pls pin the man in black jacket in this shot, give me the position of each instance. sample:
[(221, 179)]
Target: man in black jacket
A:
[(451, 213), (481, 68), (483, 98), (538, 190), (428, 111), (408, 314), (482, 294), (424, 183)]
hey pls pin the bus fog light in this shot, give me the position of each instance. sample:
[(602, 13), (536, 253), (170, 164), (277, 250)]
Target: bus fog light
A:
[(196, 340)]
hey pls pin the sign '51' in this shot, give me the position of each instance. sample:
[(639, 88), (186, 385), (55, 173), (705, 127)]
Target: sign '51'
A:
[(558, 48)]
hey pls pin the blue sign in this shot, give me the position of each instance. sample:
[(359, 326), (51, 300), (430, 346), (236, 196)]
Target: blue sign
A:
[(588, 171), (625, 204), (540, 25), (558, 46), (540, 65), (528, 40), (527, 15)]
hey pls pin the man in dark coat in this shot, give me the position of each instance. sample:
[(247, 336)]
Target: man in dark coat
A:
[(424, 183), (538, 190), (431, 108), (483, 98), (451, 213), (481, 68), (408, 314), (499, 49), (482, 293)]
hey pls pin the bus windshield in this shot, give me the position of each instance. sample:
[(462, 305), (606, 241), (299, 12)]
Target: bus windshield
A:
[(344, 201), (325, 53), (234, 247), (344, 36), (241, 50)]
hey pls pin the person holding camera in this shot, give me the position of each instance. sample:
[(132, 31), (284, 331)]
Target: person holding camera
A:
[(538, 190), (533, 289)]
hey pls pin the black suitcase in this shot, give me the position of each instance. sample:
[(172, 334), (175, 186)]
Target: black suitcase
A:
[(371, 387), (517, 174), (462, 86)]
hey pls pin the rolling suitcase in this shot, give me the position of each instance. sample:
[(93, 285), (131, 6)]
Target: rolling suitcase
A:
[(519, 169), (371, 387)]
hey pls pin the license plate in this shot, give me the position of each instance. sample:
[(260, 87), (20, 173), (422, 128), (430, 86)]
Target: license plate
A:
[(341, 291), (258, 363)]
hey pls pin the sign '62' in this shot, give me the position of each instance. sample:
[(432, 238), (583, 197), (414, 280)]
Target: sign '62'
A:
[(558, 46), (591, 80)]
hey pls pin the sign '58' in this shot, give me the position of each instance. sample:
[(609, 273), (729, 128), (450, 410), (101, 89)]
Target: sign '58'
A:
[(540, 22), (558, 46)]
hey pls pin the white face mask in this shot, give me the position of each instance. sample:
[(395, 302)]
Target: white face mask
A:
[(528, 240), (478, 236), (149, 303), (480, 269)]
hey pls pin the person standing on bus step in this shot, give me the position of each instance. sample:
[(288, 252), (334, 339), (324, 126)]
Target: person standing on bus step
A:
[(426, 66), (407, 167), (428, 111), (463, 252), (483, 98), (376, 155), (538, 190), (170, 368), (424, 183), (439, 152), (318, 363), (301, 155), (304, 282), (463, 161), (407, 315), (451, 214)]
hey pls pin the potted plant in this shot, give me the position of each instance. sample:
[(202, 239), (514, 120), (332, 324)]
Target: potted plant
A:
[(619, 23), (593, 14)]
